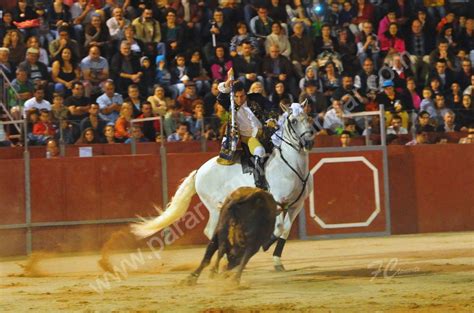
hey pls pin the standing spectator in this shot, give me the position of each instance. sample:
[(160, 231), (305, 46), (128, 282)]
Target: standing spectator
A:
[(95, 71), (110, 103)]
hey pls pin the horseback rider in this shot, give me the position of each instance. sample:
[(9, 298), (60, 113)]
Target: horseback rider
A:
[(249, 120)]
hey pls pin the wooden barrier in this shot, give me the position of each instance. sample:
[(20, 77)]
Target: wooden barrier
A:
[(430, 191)]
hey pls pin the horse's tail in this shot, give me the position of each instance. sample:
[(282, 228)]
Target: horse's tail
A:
[(175, 209)]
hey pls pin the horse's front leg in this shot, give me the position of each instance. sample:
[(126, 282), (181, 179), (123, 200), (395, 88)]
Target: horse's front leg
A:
[(285, 227)]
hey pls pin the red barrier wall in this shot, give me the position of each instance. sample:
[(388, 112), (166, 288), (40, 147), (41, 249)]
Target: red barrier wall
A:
[(430, 191)]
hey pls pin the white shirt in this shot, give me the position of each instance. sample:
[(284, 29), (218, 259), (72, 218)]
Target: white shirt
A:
[(116, 32), (247, 123), (332, 121), (32, 103), (401, 131)]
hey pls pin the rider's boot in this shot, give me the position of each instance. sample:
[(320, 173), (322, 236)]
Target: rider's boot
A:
[(259, 174)]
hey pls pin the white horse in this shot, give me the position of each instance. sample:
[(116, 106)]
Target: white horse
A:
[(286, 171)]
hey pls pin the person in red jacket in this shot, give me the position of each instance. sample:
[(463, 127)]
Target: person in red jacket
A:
[(43, 129)]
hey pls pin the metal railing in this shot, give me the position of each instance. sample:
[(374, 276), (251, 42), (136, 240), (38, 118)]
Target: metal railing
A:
[(5, 87)]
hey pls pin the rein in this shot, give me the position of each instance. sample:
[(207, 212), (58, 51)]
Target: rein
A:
[(304, 180)]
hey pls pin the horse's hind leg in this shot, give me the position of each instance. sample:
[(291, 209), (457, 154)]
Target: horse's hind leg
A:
[(210, 250)]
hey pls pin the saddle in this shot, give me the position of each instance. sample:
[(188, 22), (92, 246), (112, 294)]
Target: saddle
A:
[(244, 158)]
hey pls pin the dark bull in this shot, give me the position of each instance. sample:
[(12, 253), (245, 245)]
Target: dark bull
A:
[(246, 221)]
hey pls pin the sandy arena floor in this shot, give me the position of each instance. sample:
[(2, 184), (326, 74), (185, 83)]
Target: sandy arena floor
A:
[(416, 273)]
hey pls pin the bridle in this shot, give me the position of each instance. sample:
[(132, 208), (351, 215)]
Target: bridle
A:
[(294, 135)]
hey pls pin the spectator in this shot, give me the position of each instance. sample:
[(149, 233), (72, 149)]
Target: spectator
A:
[(77, 104), (330, 79), (88, 137), (6, 66), (125, 68), (463, 77), (421, 137), (470, 136), (443, 74), (6, 24), (81, 13), (347, 50), (97, 34), (43, 129), (316, 100), (109, 103), (220, 64), (465, 115), (173, 117), (310, 75), (137, 47), (185, 101), (134, 99), (94, 121), (297, 14), (279, 93), (57, 15), (365, 12), (136, 133), (448, 125), (210, 99), (413, 94), (440, 109), (64, 41), (149, 128), (278, 68), (261, 25), (424, 122), (21, 89), (58, 111), (109, 134), (240, 37), (173, 33), (13, 40), (325, 42), (116, 24), (182, 133), (95, 71), (345, 138), (197, 73), (368, 45), (33, 42), (248, 66), (37, 71), (334, 117), (189, 14), (158, 101), (37, 102), (401, 72), (391, 41), (348, 95), (442, 52), (394, 103), (367, 79), (219, 31), (396, 127), (278, 38), (52, 148), (301, 48), (122, 125), (419, 46), (65, 72), (196, 121), (148, 31), (4, 141), (454, 98)]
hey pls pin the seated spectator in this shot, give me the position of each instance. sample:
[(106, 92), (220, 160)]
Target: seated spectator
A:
[(158, 101), (64, 41), (325, 42), (418, 44), (37, 102), (248, 66), (261, 25), (109, 103), (67, 132), (88, 137), (347, 49), (148, 31), (122, 125), (186, 99), (65, 72), (94, 122), (33, 42), (125, 68), (424, 122), (421, 137), (52, 148), (13, 40), (210, 99), (148, 77), (59, 112), (334, 117), (301, 49), (21, 89), (95, 71), (348, 95), (43, 129), (182, 133), (368, 45), (440, 109), (310, 75), (136, 45), (97, 34), (137, 134), (465, 115), (454, 97), (149, 128), (217, 30), (448, 125), (278, 68), (109, 134), (173, 117), (330, 79), (316, 100), (173, 34), (196, 121), (374, 126), (345, 138), (197, 73), (391, 41), (350, 126), (413, 94), (77, 103), (278, 38), (470, 136), (427, 104), (463, 77), (401, 72), (220, 64), (395, 127), (443, 74), (37, 71), (179, 75), (116, 24), (5, 65), (240, 37), (135, 99), (279, 93), (442, 52), (394, 103)]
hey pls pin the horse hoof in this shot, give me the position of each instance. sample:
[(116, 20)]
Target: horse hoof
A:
[(189, 281), (279, 268)]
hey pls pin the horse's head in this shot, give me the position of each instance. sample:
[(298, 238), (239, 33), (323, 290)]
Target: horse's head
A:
[(299, 128)]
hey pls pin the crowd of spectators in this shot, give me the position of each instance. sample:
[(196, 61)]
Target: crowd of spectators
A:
[(83, 69)]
